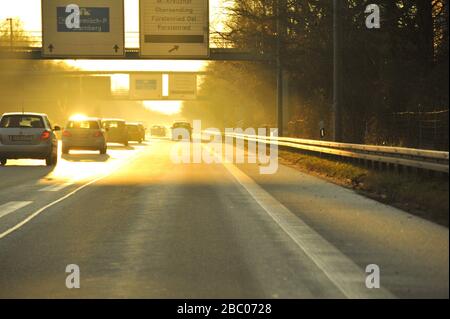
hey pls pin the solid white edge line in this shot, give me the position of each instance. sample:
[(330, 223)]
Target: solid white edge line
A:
[(348, 277)]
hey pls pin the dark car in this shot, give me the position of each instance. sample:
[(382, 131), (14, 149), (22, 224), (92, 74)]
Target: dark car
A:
[(116, 131), (28, 135), (158, 130), (135, 133), (177, 128)]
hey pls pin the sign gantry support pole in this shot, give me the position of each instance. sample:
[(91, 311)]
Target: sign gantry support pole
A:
[(337, 70), (281, 29)]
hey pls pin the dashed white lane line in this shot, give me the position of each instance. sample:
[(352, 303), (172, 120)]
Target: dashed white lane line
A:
[(26, 220), (11, 207), (55, 188), (41, 210), (348, 277)]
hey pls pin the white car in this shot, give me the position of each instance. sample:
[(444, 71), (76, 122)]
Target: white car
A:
[(28, 135)]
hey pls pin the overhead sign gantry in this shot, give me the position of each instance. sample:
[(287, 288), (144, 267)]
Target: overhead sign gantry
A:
[(94, 29), (174, 28), (150, 86), (83, 28), (146, 87), (182, 86)]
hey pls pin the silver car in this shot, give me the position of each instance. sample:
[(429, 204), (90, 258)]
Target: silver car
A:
[(84, 134), (28, 135)]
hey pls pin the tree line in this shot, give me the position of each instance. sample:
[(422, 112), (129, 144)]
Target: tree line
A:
[(400, 67)]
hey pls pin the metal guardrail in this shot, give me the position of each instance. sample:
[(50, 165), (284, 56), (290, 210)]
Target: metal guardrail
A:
[(399, 156)]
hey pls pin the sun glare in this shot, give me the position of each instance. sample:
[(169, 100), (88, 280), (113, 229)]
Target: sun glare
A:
[(164, 107), (78, 117), (120, 81)]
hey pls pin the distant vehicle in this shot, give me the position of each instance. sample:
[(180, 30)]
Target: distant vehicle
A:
[(158, 130), (135, 132), (116, 131), (28, 135), (84, 134), (142, 130), (181, 125)]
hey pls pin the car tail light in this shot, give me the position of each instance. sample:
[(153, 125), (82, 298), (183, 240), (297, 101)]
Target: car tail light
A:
[(45, 135), (98, 134), (66, 134)]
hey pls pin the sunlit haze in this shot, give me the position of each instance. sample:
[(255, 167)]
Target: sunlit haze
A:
[(25, 10), (237, 166), (165, 107)]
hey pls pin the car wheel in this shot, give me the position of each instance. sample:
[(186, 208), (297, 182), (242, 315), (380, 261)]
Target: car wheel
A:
[(103, 150), (52, 160), (3, 161), (126, 143)]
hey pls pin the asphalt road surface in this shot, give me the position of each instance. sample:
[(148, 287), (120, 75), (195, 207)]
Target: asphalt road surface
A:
[(140, 226)]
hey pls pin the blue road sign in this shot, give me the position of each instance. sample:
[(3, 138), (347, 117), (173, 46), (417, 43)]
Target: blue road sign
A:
[(91, 20), (146, 84)]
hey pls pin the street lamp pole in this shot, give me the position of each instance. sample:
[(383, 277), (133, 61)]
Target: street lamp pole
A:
[(337, 70)]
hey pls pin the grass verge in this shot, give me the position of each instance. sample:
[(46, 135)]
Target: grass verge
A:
[(424, 196)]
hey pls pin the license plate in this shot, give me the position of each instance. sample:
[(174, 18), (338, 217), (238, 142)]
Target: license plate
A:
[(21, 138)]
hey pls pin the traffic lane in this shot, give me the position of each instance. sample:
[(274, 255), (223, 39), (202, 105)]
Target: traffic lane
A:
[(23, 171), (19, 200), (155, 230), (412, 253), (77, 165), (81, 165)]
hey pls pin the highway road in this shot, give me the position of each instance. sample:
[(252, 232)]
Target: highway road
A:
[(140, 226)]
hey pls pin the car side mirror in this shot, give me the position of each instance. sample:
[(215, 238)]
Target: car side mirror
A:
[(57, 128)]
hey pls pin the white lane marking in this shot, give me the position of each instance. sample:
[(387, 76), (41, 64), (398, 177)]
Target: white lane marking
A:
[(11, 207), (55, 188), (36, 213), (348, 277), (39, 211)]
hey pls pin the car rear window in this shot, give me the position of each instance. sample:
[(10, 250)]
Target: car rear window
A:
[(93, 125), (21, 121), (182, 125), (132, 127), (113, 124)]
